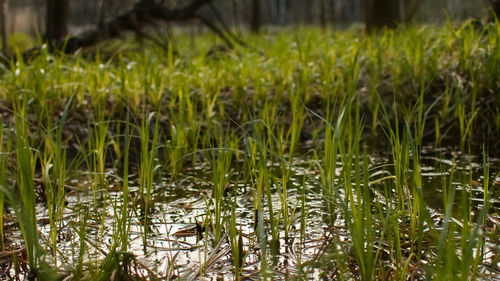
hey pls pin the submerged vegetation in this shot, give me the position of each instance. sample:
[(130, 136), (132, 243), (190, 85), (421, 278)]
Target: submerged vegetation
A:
[(308, 154)]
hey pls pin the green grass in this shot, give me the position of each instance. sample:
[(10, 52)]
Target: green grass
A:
[(110, 138)]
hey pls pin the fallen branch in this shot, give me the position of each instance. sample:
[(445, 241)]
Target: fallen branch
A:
[(144, 13)]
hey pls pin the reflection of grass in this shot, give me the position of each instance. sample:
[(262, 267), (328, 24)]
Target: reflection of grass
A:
[(249, 116)]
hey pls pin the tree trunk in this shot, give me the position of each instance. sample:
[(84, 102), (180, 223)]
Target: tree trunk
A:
[(382, 13), (3, 24), (39, 16), (282, 11), (255, 21), (236, 14), (410, 8), (495, 6), (322, 12), (57, 26)]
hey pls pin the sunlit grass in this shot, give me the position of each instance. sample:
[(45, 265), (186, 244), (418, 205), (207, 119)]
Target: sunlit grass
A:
[(141, 123)]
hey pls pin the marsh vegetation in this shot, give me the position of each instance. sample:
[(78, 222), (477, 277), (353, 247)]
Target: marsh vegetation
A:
[(308, 154)]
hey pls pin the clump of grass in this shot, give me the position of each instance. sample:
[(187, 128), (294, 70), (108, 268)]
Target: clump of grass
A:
[(221, 175), (5, 148), (22, 198), (148, 167), (54, 177), (124, 222)]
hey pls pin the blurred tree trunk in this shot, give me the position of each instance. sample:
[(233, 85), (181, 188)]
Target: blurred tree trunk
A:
[(303, 10), (495, 6), (39, 16), (307, 11), (294, 10), (410, 8), (236, 14), (382, 13), (255, 21), (3, 22), (57, 26), (102, 12), (282, 11), (322, 11)]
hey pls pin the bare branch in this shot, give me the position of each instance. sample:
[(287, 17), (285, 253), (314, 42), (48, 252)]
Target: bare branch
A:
[(215, 29), (145, 13)]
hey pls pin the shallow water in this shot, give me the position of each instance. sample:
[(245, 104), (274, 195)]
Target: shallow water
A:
[(182, 204)]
